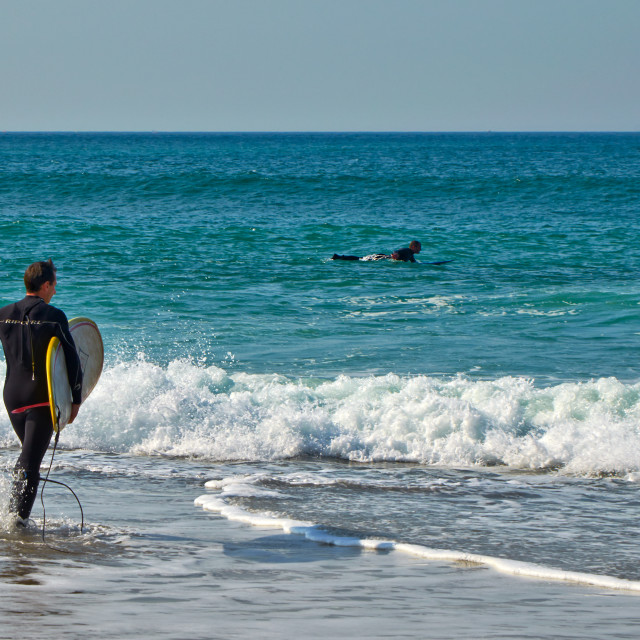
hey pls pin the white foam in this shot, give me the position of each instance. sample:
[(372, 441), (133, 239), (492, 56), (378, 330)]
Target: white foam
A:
[(237, 514), (516, 568), (314, 533), (190, 410), (554, 313)]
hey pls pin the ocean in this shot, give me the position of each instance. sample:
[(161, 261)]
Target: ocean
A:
[(284, 443)]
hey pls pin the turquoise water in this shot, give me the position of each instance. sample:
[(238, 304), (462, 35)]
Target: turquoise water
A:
[(490, 405), (216, 247)]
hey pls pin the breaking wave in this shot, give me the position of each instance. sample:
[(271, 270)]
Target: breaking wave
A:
[(204, 412)]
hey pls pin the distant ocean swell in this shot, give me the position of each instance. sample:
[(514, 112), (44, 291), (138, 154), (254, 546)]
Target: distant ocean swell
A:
[(118, 183), (190, 410)]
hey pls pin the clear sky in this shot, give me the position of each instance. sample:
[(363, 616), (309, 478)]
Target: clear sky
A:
[(320, 65)]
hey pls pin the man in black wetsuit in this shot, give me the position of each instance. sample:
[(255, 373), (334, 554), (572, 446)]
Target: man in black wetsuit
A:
[(406, 254), (26, 328)]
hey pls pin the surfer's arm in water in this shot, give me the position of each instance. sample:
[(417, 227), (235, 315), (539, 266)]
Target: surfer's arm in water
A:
[(406, 254), (403, 255)]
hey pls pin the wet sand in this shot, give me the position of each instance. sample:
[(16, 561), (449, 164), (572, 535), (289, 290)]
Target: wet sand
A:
[(209, 578)]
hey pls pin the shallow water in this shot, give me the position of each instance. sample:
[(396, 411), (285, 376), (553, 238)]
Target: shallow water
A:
[(162, 566)]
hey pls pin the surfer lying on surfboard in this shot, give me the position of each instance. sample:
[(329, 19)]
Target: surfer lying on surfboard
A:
[(406, 254)]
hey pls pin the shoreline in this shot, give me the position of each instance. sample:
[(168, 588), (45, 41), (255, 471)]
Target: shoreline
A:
[(252, 581), (163, 567)]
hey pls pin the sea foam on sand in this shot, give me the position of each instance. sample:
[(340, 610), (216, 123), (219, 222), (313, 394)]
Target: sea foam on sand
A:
[(217, 503)]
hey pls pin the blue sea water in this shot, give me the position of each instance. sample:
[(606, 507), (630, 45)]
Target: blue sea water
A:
[(487, 406)]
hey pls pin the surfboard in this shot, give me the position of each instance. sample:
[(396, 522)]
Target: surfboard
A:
[(88, 341)]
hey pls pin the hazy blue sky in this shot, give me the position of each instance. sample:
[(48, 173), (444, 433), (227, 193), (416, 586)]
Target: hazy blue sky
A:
[(320, 65)]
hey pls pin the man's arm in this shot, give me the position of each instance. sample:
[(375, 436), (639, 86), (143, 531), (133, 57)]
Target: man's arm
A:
[(74, 369)]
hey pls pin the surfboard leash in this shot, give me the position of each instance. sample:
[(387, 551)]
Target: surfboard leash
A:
[(47, 479)]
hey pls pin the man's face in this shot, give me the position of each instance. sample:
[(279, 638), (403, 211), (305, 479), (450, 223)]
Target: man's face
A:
[(48, 290)]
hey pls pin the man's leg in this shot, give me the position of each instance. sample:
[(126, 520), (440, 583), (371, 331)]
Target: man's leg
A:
[(337, 257), (34, 428)]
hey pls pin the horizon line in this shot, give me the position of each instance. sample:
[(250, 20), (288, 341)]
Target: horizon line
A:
[(319, 131)]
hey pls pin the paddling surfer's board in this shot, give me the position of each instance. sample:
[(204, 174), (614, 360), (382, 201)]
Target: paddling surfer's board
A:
[(88, 341)]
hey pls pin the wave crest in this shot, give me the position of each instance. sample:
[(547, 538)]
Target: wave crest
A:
[(188, 410)]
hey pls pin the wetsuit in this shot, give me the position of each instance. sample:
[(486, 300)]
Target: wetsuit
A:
[(405, 254), (26, 328)]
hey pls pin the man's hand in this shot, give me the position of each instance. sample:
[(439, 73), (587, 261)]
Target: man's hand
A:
[(74, 412)]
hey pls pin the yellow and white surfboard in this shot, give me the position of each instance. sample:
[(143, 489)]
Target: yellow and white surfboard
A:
[(88, 341)]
